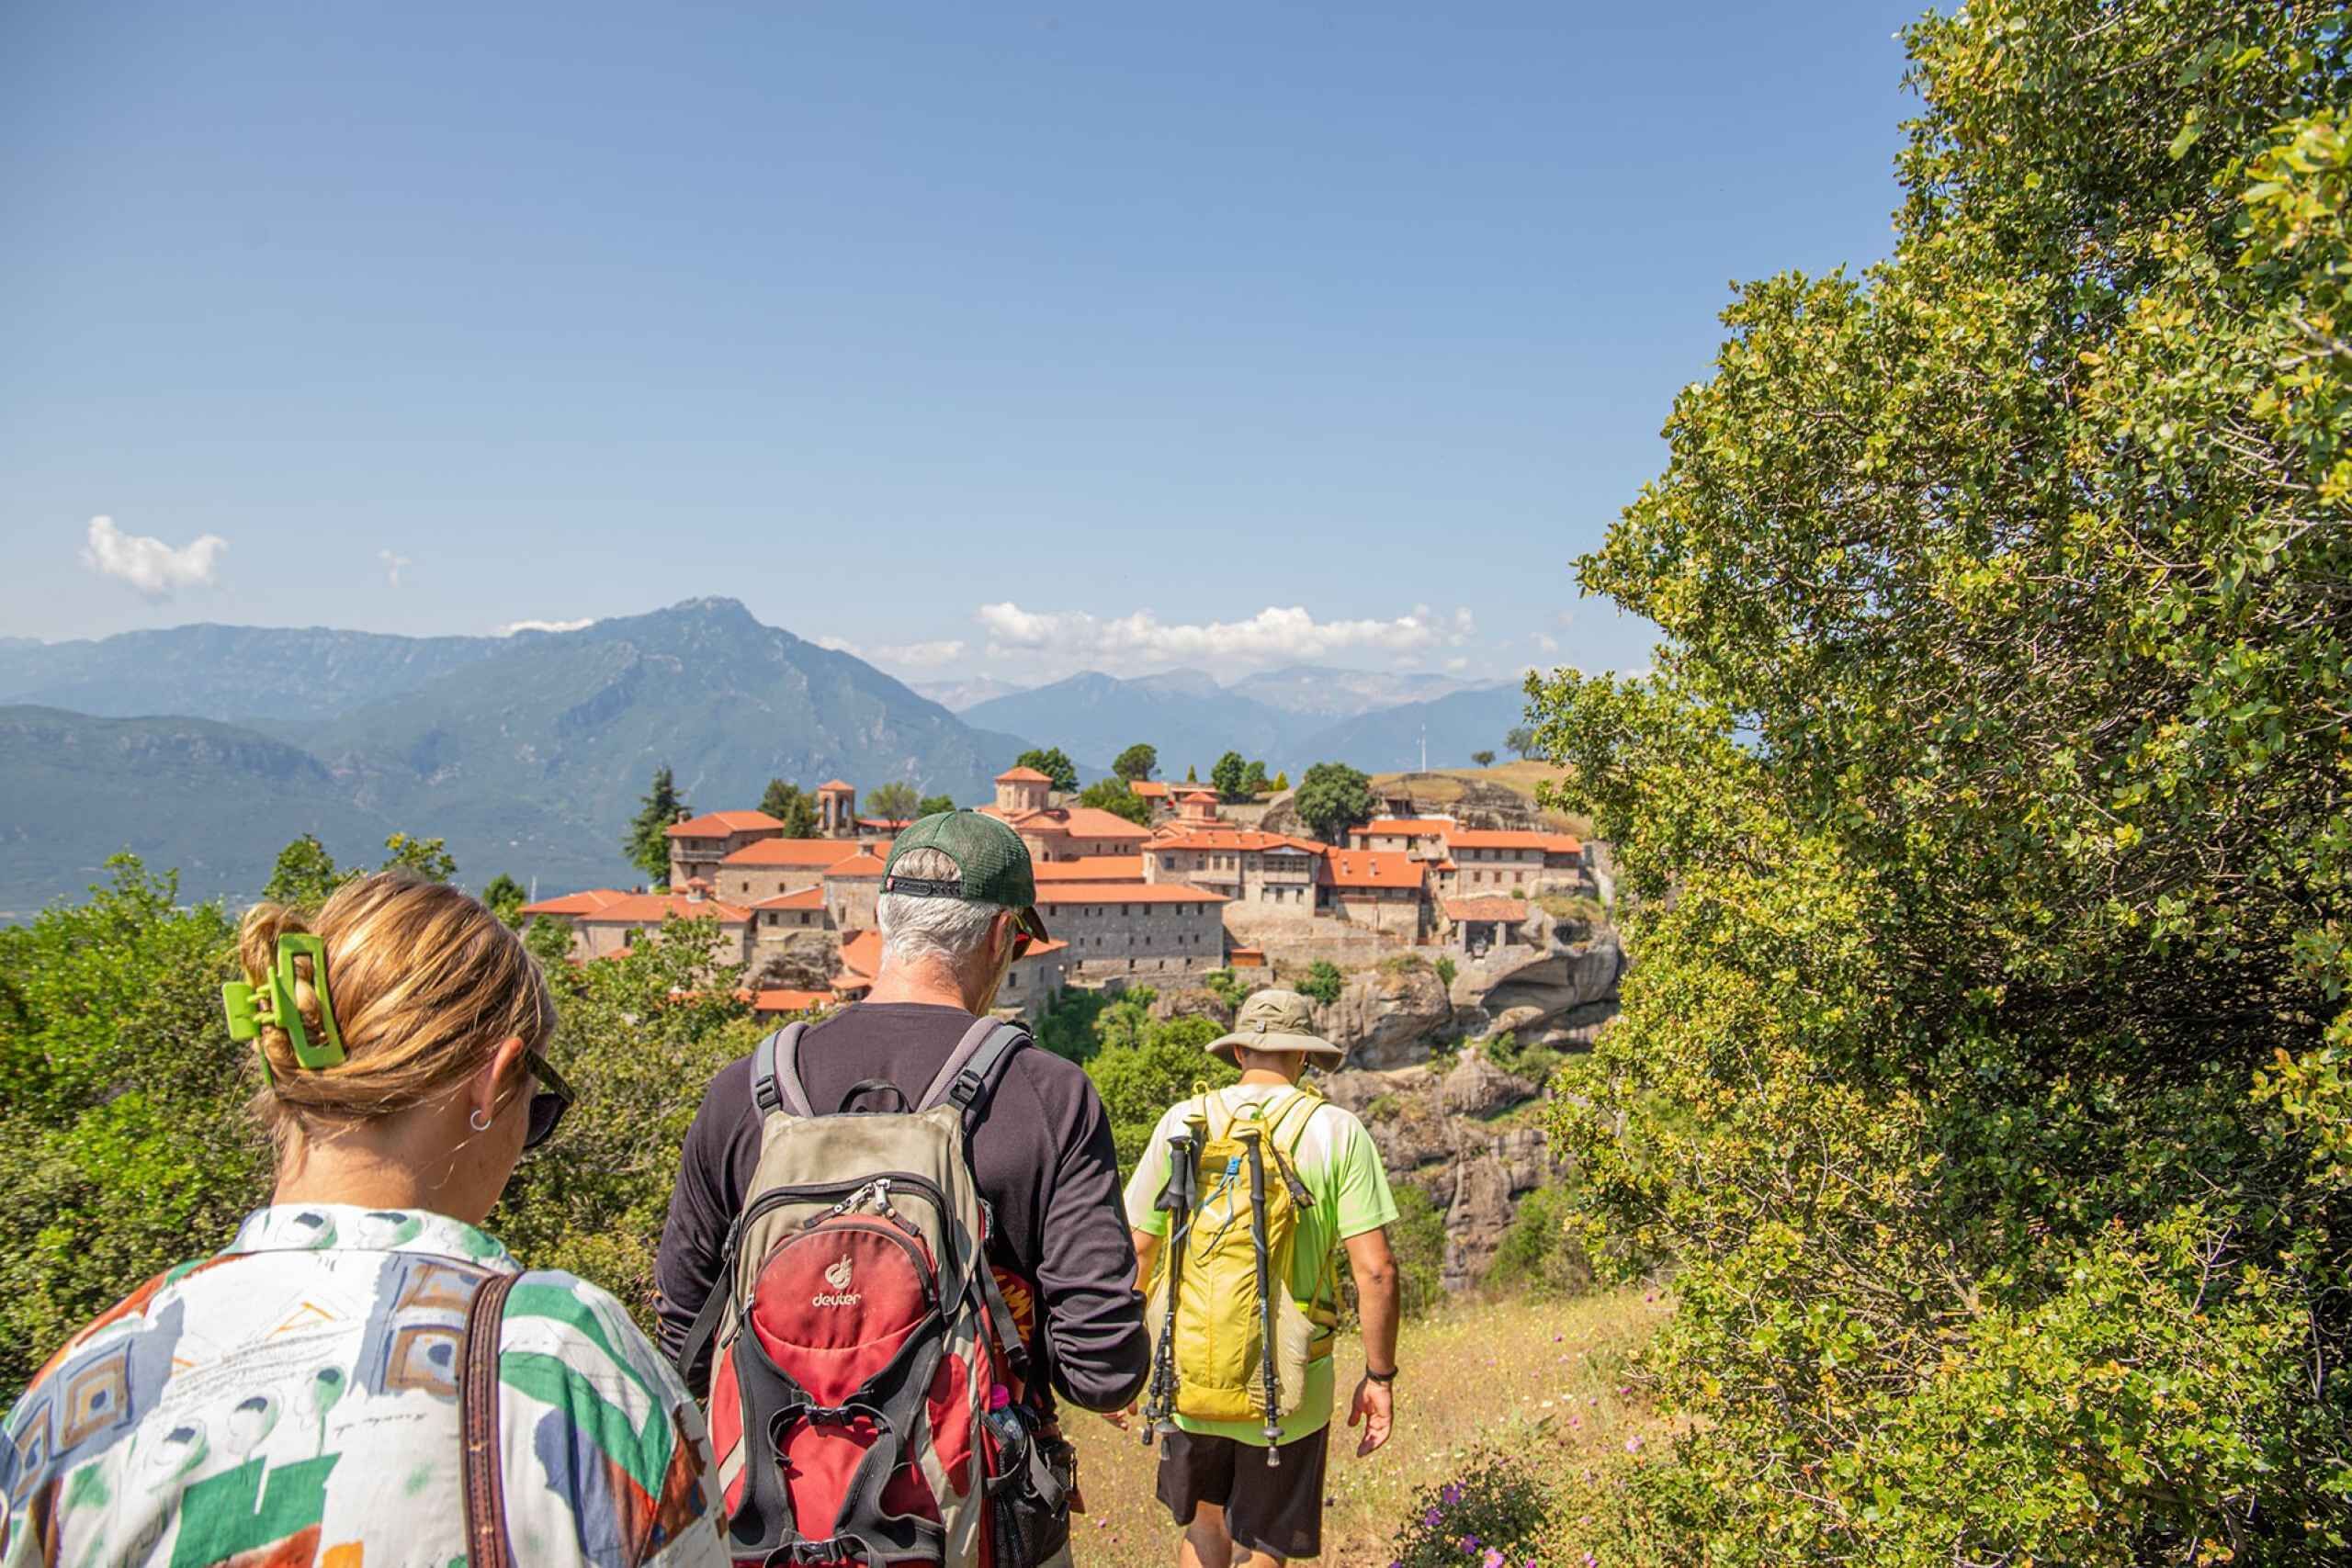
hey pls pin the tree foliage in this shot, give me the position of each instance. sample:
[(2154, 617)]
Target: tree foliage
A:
[(932, 804), (1229, 775), (1483, 759), (895, 801), (1052, 761), (504, 897), (1983, 1073), (792, 805), (646, 844), (1333, 797), (1136, 762), (1520, 740), (1113, 795)]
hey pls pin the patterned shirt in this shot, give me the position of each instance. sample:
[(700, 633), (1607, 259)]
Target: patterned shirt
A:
[(293, 1401)]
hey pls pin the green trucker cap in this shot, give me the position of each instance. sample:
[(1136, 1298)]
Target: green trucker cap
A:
[(993, 860)]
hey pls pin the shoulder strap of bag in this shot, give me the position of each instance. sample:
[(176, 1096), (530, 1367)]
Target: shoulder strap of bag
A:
[(775, 1072), (486, 1543), (970, 1074)]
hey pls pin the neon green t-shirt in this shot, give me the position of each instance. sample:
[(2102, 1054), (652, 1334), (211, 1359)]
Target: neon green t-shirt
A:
[(1339, 1164)]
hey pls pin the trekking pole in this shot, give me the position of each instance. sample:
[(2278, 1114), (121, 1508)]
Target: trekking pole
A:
[(1253, 1141), (1178, 1198)]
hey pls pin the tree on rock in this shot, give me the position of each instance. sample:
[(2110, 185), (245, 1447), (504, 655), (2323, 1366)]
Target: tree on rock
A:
[(1052, 761), (1231, 775), (1483, 759), (1333, 797), (1136, 762), (647, 843)]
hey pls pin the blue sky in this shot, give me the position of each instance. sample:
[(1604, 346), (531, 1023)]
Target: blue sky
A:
[(976, 338)]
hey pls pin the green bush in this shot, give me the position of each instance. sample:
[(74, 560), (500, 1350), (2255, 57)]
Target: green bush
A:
[(1536, 1064), (1418, 1242), (1446, 971), (1985, 814), (1542, 1252), (1323, 983), (1495, 1511), (1225, 987)]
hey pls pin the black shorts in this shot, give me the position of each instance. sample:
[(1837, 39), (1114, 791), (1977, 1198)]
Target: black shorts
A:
[(1275, 1509)]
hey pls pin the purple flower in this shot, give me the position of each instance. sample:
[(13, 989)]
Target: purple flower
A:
[(1494, 1558), (1433, 1518), (1469, 1546), (1452, 1494), (1633, 1445)]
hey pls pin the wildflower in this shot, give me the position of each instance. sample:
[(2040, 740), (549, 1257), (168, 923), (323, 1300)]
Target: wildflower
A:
[(1494, 1558), (1452, 1494), (1633, 1445), (1469, 1546), (1591, 1561), (1433, 1518)]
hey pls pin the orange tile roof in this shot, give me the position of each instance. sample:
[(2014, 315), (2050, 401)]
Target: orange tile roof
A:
[(794, 851), (1091, 868), (1370, 868), (780, 999), (653, 909), (854, 868), (1150, 789), (1207, 795), (1038, 949), (835, 786), (1232, 839), (1511, 910), (1083, 822), (862, 955), (893, 823), (1023, 775), (718, 824), (580, 903), (799, 899), (1127, 892)]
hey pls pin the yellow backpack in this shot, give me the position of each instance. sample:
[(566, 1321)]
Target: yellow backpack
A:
[(1221, 1290)]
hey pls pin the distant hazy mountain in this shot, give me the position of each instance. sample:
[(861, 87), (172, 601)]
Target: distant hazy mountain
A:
[(215, 801), (529, 756), (235, 673), (1185, 714), (1332, 693), (1390, 738), (957, 695)]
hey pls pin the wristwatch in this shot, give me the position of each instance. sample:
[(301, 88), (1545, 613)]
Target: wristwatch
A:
[(1388, 1376)]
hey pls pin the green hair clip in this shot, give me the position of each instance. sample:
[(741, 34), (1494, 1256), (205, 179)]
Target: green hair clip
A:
[(248, 1010)]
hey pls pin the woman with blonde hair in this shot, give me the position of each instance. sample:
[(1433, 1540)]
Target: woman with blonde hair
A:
[(363, 1377)]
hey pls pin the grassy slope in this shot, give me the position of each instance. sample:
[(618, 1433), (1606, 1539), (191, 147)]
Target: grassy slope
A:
[(1549, 1373)]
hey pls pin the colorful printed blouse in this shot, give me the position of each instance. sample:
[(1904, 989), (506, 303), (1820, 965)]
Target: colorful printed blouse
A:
[(293, 1401)]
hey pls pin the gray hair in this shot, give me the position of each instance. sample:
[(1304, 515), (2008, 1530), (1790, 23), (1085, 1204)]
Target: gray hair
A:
[(934, 930)]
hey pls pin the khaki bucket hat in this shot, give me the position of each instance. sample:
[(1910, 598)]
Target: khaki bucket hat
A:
[(1276, 1021)]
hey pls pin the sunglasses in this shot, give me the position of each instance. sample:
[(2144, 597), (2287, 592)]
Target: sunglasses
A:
[(549, 1104)]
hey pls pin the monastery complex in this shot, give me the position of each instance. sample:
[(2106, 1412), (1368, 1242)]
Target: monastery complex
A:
[(1189, 894)]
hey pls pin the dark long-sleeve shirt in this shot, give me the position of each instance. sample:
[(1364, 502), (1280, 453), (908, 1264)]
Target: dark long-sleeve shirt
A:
[(1042, 1154)]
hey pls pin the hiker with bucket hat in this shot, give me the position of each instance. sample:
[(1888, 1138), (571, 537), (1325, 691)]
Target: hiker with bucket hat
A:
[(1240, 1203)]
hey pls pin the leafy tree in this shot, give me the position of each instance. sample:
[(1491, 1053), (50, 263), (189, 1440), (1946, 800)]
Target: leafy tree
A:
[(130, 1150), (647, 843), (1135, 762), (1113, 795), (1521, 741), (427, 858), (1053, 763), (793, 806), (505, 896), (1192, 775), (1254, 780), (1333, 797), (1226, 986), (305, 873), (1229, 774), (548, 939), (1282, 782), (1323, 983), (932, 804), (1985, 824), (895, 800), (1156, 1065), (1484, 759)]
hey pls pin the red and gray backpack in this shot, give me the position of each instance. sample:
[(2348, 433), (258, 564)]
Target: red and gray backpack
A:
[(860, 1396)]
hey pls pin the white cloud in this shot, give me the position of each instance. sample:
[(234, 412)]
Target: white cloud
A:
[(1275, 635), (902, 655), (1456, 666), (149, 565), (511, 627), (393, 566), (1548, 644), (838, 645)]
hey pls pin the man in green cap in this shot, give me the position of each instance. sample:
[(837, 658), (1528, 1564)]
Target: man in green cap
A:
[(1237, 1510), (957, 905)]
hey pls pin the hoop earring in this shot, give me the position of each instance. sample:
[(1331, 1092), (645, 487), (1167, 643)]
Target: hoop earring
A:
[(478, 1120)]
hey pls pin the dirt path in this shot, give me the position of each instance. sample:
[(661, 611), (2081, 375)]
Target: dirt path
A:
[(1500, 1368)]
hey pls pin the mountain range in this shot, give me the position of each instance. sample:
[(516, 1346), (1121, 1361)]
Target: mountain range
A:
[(207, 748)]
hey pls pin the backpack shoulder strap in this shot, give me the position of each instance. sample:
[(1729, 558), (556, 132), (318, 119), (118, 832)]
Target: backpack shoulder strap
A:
[(775, 1072), (970, 1074), (487, 1545)]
